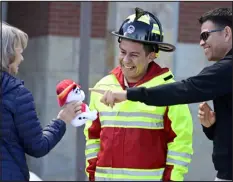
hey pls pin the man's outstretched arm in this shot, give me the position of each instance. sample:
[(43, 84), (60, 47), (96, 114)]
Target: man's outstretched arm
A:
[(212, 81)]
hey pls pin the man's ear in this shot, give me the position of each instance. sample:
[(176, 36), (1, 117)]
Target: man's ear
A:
[(228, 33), (152, 56)]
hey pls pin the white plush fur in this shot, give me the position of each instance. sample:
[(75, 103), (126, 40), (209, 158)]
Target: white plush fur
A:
[(78, 95)]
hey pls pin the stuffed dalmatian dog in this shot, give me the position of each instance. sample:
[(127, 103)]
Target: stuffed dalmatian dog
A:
[(68, 91)]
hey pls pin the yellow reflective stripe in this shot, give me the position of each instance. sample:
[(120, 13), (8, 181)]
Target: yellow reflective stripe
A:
[(91, 155), (122, 179), (137, 124), (155, 26), (179, 154), (131, 17), (101, 85), (177, 162), (130, 172), (93, 146), (132, 114), (145, 19), (111, 174), (92, 141), (155, 29), (157, 32), (92, 150)]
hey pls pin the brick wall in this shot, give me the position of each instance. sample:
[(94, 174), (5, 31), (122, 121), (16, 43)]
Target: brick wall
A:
[(55, 18), (63, 18), (189, 28), (31, 17)]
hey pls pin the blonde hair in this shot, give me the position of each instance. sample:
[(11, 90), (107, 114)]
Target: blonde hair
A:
[(12, 38)]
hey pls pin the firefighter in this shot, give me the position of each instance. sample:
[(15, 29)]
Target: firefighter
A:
[(212, 83), (133, 141)]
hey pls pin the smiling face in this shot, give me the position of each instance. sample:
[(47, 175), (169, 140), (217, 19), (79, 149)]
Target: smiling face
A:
[(134, 60), (217, 44), (16, 61)]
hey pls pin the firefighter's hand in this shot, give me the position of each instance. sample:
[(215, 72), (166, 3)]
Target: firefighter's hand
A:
[(206, 115), (109, 97)]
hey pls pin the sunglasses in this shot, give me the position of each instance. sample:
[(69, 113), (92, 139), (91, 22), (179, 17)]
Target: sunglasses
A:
[(205, 35)]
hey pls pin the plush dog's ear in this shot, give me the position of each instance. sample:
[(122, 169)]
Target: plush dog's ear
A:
[(74, 87)]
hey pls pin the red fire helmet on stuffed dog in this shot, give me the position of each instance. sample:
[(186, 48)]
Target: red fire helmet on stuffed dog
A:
[(63, 88)]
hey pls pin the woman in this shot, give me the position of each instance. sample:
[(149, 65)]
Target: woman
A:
[(20, 129)]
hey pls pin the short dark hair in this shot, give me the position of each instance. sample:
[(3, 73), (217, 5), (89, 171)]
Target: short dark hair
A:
[(221, 17), (148, 48)]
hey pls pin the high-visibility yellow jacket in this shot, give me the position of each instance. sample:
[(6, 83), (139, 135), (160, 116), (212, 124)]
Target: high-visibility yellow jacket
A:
[(133, 141)]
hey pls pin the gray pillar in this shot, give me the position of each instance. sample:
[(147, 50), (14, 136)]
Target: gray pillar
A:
[(4, 11), (110, 39), (176, 11), (85, 33)]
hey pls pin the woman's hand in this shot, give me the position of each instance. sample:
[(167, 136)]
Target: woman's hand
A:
[(70, 111)]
